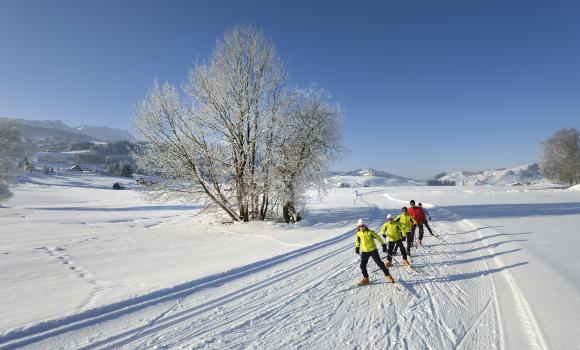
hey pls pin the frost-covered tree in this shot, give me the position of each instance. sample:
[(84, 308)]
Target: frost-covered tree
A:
[(560, 160), (209, 143), (237, 98), (12, 150), (234, 137), (309, 140)]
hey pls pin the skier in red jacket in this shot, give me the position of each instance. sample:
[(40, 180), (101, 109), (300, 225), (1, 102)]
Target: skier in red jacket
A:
[(418, 214)]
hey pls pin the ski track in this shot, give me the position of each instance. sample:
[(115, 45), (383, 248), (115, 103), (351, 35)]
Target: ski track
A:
[(309, 301)]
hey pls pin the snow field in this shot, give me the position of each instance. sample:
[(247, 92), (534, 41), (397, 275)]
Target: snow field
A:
[(155, 277)]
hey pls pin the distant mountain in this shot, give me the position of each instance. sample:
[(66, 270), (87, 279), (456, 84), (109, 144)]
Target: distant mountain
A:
[(529, 173), (45, 124), (105, 133), (49, 131), (56, 129), (370, 178)]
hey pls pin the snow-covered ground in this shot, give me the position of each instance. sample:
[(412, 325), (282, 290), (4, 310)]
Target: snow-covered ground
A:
[(84, 266)]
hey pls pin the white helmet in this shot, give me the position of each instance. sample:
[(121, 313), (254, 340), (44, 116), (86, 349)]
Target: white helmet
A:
[(389, 216), (360, 222)]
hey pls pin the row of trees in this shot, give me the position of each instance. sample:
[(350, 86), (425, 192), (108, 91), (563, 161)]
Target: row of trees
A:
[(237, 137), (12, 150), (438, 182), (560, 160), (119, 169)]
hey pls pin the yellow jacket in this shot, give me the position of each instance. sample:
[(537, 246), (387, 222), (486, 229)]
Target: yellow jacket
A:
[(394, 231), (406, 222), (366, 240)]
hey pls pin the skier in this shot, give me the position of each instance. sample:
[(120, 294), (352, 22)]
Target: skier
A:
[(428, 216), (419, 216), (406, 222), (395, 239), (365, 241)]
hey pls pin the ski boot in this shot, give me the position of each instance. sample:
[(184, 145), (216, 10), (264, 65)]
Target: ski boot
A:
[(390, 279), (406, 262), (363, 282), (389, 264)]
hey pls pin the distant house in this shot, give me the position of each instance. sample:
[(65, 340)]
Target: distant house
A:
[(143, 181), (342, 185), (76, 168)]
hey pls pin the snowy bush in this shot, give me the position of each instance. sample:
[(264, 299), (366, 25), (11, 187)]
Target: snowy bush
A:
[(12, 151), (560, 160), (5, 193)]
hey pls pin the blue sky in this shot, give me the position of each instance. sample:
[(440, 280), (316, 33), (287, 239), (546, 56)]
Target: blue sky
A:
[(426, 86)]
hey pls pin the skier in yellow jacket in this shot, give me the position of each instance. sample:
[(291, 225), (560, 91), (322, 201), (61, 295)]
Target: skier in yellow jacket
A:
[(394, 234), (406, 221), (365, 243)]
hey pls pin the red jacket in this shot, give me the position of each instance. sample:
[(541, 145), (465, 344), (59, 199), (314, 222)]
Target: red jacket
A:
[(418, 214)]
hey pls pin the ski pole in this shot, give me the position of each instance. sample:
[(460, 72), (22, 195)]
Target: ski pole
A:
[(436, 235)]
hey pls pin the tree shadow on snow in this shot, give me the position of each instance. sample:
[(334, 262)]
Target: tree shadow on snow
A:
[(470, 260), (467, 275), (489, 246), (498, 211), (68, 183), (477, 229), (140, 208), (507, 235)]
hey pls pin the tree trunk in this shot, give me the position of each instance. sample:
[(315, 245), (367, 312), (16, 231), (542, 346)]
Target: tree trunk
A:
[(264, 207), (291, 216)]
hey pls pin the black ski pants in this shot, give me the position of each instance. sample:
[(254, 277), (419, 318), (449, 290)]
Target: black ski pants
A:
[(421, 231), (364, 259), (428, 228), (410, 239), (393, 246)]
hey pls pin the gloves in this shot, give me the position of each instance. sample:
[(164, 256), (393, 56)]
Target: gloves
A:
[(384, 235), (356, 250), (384, 248)]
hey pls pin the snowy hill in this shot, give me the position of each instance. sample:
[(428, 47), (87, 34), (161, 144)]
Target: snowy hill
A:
[(500, 177), (370, 178), (105, 133)]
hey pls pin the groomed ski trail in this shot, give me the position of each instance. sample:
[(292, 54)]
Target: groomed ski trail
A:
[(303, 300)]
